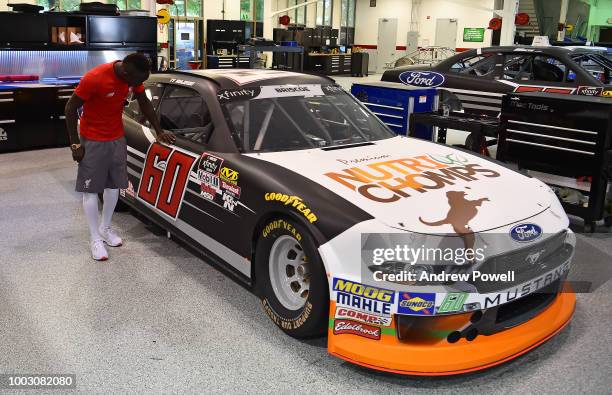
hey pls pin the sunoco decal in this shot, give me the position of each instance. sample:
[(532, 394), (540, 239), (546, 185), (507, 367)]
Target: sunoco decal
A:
[(422, 79), (413, 303)]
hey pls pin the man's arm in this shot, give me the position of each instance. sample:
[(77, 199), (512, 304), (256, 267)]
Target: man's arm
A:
[(72, 118), (149, 112)]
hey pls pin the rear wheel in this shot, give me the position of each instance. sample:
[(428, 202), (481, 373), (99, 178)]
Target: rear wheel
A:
[(291, 279)]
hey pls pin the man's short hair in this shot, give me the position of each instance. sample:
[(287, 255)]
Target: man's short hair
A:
[(139, 61)]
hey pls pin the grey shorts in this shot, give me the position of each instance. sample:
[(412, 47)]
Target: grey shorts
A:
[(104, 166)]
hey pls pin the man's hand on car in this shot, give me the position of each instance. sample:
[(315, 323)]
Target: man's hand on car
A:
[(166, 137)]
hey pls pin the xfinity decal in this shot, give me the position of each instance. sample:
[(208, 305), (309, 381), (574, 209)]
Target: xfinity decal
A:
[(229, 95), (590, 90), (422, 79)]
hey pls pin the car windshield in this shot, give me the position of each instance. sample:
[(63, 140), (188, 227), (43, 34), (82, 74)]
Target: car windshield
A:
[(294, 117)]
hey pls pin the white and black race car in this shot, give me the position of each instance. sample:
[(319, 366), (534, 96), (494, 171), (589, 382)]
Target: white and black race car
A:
[(287, 181)]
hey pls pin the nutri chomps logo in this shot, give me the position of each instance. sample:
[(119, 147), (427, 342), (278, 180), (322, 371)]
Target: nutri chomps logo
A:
[(422, 79), (391, 180)]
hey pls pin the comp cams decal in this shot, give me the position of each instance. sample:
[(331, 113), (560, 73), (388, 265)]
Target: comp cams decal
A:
[(361, 316), (392, 180), (293, 201)]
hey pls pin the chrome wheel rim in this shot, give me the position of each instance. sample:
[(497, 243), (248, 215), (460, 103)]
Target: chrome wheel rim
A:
[(288, 271)]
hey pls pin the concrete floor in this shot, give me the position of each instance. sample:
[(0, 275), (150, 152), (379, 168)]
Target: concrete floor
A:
[(156, 318)]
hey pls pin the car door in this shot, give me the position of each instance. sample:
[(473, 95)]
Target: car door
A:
[(538, 72), (471, 85), (200, 189)]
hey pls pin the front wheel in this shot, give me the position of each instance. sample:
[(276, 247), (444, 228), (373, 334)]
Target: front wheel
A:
[(291, 279)]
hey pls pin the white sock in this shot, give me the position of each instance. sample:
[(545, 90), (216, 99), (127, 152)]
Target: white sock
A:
[(111, 196), (90, 208)]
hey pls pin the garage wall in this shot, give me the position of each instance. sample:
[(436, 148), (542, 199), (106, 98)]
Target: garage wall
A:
[(469, 13)]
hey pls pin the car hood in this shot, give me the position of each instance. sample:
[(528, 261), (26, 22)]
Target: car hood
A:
[(419, 186)]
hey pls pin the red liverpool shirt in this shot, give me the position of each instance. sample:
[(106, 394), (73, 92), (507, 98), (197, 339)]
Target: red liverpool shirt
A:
[(104, 95)]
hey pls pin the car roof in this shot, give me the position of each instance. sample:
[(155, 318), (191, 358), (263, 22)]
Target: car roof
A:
[(244, 78), (530, 48)]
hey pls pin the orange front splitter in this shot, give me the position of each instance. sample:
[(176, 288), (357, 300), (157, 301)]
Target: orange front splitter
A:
[(443, 358)]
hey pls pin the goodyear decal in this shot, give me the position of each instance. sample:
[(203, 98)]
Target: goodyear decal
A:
[(294, 201)]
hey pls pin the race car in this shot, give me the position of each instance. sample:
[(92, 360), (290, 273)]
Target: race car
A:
[(289, 184), (475, 81)]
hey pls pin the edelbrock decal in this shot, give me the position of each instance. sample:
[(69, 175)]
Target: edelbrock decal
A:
[(525, 232), (422, 79)]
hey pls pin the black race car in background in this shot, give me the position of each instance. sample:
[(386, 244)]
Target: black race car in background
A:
[(475, 80)]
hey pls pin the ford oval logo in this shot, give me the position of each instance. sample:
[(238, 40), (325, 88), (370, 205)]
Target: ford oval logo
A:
[(422, 79), (525, 232)]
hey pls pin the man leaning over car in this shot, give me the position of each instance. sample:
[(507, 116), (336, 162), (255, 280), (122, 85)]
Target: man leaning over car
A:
[(99, 145)]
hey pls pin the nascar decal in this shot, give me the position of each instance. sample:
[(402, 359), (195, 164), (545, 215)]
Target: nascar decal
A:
[(392, 180), (413, 303), (164, 178), (364, 297), (208, 175), (356, 328), (294, 201), (361, 316), (422, 79)]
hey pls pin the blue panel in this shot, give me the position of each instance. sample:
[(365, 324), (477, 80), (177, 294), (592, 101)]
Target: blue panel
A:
[(390, 103)]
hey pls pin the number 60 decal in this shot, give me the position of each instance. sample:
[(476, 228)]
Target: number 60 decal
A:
[(164, 178)]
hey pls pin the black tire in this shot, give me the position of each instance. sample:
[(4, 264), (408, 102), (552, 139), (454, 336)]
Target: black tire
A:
[(311, 319), (119, 208)]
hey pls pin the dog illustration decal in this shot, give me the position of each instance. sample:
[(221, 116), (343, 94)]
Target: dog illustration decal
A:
[(460, 213)]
